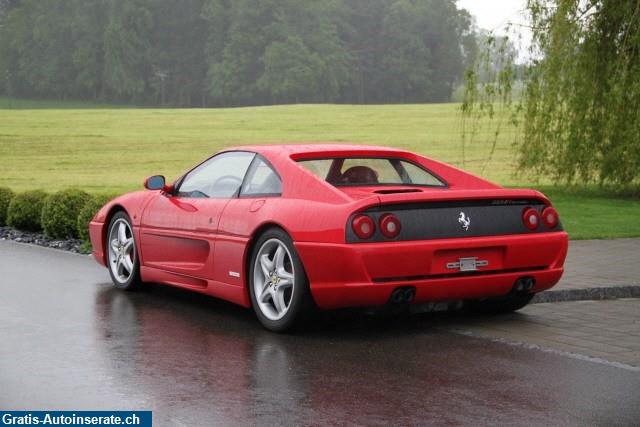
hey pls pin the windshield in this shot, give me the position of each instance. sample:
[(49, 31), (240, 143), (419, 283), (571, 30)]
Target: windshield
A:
[(357, 171)]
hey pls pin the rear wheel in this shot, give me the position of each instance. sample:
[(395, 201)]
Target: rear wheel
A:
[(123, 261), (505, 304), (277, 282)]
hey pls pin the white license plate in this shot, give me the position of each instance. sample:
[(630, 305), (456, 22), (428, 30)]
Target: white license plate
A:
[(468, 264)]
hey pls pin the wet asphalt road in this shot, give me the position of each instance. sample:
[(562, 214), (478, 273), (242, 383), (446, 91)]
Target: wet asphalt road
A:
[(70, 341)]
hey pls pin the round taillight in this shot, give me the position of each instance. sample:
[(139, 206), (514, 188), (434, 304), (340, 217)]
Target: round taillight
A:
[(550, 217), (531, 218), (363, 226), (390, 226)]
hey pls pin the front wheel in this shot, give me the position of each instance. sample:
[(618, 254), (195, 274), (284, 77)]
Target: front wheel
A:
[(278, 284), (123, 260), (497, 305)]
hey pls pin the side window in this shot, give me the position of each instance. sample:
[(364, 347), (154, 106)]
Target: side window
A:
[(219, 177), (261, 180), (419, 176)]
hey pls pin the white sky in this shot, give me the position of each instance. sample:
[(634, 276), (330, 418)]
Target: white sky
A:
[(494, 15)]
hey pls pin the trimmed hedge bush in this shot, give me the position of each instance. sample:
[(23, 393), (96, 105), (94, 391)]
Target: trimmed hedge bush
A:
[(25, 210), (88, 212), (5, 198), (60, 213)]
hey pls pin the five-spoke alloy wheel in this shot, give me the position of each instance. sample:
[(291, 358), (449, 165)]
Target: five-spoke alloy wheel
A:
[(278, 285), (122, 256)]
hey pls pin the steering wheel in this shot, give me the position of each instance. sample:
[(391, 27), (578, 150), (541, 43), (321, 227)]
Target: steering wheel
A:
[(232, 183)]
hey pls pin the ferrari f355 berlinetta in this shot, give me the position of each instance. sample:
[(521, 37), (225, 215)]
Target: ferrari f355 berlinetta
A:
[(290, 228)]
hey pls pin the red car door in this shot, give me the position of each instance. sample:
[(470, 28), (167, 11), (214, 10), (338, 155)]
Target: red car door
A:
[(258, 197), (179, 230)]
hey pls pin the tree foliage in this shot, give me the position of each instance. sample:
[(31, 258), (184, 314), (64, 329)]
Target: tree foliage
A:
[(234, 52), (127, 47), (489, 99), (580, 108)]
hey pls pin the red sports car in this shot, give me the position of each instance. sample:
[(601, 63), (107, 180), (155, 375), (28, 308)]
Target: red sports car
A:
[(286, 228)]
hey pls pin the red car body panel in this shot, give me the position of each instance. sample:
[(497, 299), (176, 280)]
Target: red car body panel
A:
[(204, 244), (366, 274)]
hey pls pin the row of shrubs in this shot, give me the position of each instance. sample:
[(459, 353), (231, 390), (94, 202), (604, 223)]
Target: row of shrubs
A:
[(62, 215)]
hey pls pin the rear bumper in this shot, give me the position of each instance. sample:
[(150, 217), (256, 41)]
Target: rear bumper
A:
[(349, 275)]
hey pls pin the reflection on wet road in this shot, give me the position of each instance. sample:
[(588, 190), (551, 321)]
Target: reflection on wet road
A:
[(70, 341)]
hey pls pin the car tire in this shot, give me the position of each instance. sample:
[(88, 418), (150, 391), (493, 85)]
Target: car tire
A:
[(498, 305), (123, 261), (278, 285)]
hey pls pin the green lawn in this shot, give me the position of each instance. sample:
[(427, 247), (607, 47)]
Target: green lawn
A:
[(114, 149), (593, 214), (104, 149)]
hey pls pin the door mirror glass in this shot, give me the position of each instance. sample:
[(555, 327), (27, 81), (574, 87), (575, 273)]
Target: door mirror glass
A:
[(155, 182)]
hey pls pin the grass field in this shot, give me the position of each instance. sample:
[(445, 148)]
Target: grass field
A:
[(104, 150), (593, 214), (114, 149)]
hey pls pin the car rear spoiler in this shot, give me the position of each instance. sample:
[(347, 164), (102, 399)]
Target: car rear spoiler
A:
[(438, 195)]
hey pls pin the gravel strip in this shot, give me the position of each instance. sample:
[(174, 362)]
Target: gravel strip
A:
[(588, 294), (70, 245)]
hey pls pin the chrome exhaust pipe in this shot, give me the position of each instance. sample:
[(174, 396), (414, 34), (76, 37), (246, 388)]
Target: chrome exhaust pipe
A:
[(397, 296), (531, 282), (524, 284), (409, 294), (402, 295)]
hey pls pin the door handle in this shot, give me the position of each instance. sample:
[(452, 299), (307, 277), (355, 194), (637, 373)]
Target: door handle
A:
[(255, 206)]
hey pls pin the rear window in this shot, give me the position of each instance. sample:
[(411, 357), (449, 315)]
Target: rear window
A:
[(356, 171)]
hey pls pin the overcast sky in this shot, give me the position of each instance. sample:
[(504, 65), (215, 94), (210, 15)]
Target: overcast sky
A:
[(494, 15)]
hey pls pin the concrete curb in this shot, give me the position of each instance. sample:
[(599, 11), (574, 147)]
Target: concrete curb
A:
[(588, 294)]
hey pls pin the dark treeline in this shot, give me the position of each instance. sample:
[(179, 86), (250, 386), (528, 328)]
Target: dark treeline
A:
[(234, 52)]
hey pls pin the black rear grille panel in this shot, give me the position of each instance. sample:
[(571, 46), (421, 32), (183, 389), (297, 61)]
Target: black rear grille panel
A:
[(442, 220), (451, 275)]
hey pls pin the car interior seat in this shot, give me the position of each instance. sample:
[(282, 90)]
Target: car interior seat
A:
[(359, 175)]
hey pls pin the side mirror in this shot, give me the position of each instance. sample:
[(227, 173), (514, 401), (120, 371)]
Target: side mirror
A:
[(155, 182)]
